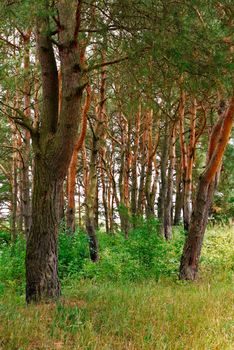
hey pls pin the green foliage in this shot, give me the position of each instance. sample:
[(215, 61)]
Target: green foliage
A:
[(5, 238), (73, 250), (12, 269), (223, 207), (217, 251), (144, 255)]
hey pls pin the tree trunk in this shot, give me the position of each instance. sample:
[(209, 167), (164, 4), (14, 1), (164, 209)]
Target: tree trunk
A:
[(61, 205), (91, 199), (26, 145), (141, 190), (41, 252), (53, 144), (149, 171), (14, 185), (90, 202), (104, 195), (168, 199), (71, 177), (189, 167), (179, 195), (163, 188), (150, 182), (193, 243), (134, 163), (125, 161), (96, 207)]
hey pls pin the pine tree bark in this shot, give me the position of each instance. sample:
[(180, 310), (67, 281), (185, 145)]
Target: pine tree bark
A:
[(187, 200), (124, 208), (41, 257), (134, 163), (104, 195), (53, 145), (167, 217), (149, 170), (184, 160), (142, 163), (90, 201), (150, 182), (193, 243), (102, 115), (71, 177), (14, 185), (163, 188), (26, 201), (179, 194)]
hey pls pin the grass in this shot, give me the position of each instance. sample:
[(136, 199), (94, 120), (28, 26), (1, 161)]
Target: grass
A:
[(109, 316), (148, 314)]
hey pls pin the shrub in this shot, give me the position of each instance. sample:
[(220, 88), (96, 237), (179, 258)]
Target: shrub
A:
[(145, 254), (12, 268), (217, 251), (73, 250)]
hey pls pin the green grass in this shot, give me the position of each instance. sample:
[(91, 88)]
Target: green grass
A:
[(151, 315), (120, 304)]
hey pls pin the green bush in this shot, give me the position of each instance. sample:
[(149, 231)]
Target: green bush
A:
[(12, 268), (145, 254), (73, 250), (217, 250), (5, 237)]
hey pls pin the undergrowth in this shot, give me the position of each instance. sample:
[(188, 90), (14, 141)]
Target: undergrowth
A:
[(144, 255), (130, 300)]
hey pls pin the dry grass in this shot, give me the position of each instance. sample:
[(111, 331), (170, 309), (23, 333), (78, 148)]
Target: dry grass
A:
[(164, 315)]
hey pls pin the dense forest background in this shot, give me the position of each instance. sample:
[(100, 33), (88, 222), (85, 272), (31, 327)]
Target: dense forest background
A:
[(116, 168)]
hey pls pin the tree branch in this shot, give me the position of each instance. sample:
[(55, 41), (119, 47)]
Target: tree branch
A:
[(21, 119), (14, 46), (49, 76), (104, 64), (77, 26)]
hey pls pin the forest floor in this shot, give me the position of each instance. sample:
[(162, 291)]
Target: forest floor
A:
[(152, 315), (147, 314)]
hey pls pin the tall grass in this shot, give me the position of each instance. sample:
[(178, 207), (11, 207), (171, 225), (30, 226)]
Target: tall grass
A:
[(143, 315), (131, 300)]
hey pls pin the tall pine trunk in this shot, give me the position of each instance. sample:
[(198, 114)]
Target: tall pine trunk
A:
[(90, 202), (179, 194), (71, 176), (167, 223), (53, 142), (163, 187), (193, 243), (134, 163), (41, 254), (189, 167)]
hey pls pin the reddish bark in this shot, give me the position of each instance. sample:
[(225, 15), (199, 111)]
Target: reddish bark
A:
[(71, 177), (188, 171), (193, 244)]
